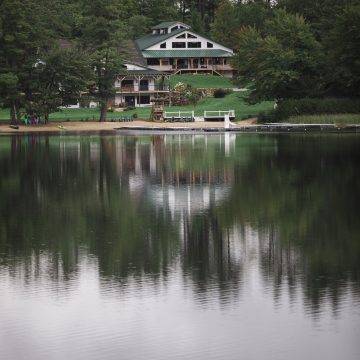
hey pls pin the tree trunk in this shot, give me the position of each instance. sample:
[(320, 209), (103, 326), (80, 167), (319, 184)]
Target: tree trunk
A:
[(103, 111), (14, 113), (46, 118)]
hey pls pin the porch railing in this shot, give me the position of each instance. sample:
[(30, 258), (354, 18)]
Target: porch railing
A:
[(136, 88)]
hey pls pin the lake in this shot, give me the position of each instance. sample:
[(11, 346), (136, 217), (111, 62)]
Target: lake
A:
[(180, 246)]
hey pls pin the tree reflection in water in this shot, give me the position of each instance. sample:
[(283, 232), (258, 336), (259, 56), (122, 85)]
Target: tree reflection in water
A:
[(141, 206)]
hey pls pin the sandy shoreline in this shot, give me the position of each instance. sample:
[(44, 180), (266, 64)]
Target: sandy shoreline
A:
[(76, 126), (140, 125)]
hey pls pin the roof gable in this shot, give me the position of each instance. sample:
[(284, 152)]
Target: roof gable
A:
[(147, 42), (150, 39)]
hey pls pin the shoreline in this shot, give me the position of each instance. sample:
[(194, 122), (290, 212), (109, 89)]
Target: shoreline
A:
[(145, 126)]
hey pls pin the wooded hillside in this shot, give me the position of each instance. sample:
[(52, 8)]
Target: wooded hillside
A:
[(286, 48)]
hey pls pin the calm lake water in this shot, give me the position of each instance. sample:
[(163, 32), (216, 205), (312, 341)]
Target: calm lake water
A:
[(180, 247)]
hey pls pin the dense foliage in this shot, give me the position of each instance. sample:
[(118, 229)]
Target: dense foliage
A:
[(285, 48), (294, 49), (311, 106)]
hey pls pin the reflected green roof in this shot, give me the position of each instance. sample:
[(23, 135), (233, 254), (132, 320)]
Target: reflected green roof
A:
[(186, 53)]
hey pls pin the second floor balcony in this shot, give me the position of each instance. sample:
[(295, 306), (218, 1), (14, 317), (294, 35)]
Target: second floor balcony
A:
[(141, 88)]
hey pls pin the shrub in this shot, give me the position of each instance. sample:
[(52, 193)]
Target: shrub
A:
[(264, 117), (306, 106), (134, 115), (220, 93)]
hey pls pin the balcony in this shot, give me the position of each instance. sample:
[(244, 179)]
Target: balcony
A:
[(141, 88)]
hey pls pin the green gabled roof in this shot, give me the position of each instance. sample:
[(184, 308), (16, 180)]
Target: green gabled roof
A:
[(186, 53), (150, 40)]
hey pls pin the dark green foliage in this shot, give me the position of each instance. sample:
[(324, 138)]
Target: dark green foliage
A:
[(220, 93), (282, 64), (285, 49), (311, 106), (343, 50)]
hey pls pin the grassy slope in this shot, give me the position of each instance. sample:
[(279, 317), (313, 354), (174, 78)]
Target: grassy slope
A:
[(233, 101), (202, 81)]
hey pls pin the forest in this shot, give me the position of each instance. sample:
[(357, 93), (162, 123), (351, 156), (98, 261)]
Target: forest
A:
[(51, 51)]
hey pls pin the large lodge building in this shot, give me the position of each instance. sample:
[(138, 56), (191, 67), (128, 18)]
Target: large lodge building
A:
[(174, 47), (171, 48)]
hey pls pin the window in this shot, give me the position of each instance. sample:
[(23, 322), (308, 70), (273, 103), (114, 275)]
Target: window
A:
[(181, 36), (194, 44), (127, 83), (178, 45), (153, 61), (163, 45), (143, 100), (174, 28), (190, 36), (209, 45)]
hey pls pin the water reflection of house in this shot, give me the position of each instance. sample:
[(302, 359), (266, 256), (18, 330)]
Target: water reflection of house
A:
[(151, 166)]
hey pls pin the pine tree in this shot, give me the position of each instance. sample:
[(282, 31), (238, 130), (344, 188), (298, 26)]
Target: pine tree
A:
[(104, 36)]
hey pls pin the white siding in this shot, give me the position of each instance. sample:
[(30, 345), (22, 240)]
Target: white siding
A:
[(199, 38)]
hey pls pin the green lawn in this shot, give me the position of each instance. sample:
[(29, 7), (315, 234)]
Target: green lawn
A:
[(233, 101), (202, 81)]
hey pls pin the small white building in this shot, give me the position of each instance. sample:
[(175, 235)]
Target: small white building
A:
[(138, 86)]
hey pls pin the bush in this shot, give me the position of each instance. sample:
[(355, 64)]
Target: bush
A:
[(134, 115), (306, 106), (265, 117), (220, 93)]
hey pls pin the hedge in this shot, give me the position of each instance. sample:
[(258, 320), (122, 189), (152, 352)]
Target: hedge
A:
[(313, 106)]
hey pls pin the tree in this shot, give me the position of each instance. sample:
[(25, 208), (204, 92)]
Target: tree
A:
[(282, 64), (342, 45), (24, 33), (103, 35), (225, 24), (58, 80)]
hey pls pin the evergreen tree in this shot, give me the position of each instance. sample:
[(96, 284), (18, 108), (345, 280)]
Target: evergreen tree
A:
[(24, 35), (104, 36), (226, 24)]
